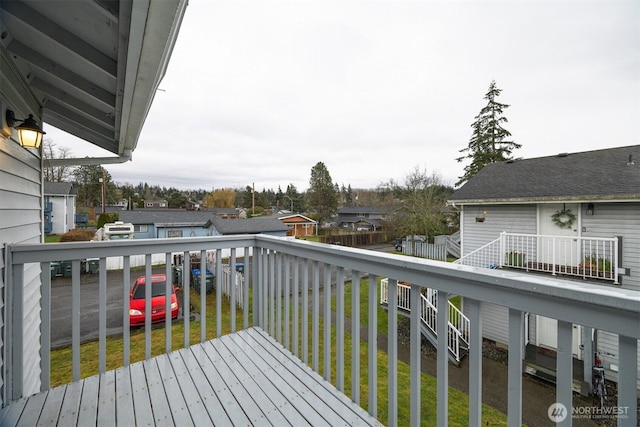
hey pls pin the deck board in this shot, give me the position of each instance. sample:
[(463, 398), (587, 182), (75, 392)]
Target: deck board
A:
[(245, 378)]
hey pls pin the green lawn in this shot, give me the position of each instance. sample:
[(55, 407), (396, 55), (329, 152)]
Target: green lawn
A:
[(458, 401)]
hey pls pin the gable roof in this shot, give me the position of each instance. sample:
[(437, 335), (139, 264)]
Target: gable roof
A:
[(364, 210), (174, 217), (59, 189), (611, 174), (248, 226)]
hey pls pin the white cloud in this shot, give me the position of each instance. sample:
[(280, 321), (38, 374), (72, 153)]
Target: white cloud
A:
[(262, 91)]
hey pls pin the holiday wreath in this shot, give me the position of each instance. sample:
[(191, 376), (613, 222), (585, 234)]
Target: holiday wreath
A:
[(563, 218)]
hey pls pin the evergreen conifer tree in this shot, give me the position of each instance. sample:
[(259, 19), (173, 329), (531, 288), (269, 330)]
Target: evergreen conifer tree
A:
[(489, 141)]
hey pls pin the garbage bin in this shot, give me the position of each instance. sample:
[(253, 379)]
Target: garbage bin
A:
[(177, 275), (65, 268), (93, 265), (240, 267), (55, 269), (195, 280)]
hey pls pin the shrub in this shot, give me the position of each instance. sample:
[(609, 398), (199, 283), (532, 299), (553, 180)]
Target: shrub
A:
[(78, 235)]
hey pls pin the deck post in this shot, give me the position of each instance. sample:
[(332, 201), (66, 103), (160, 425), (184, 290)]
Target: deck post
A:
[(514, 382)]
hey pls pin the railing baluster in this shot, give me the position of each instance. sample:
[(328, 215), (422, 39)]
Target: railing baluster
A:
[(168, 291), (443, 358), (564, 368), (75, 323), (355, 336), (272, 293), (147, 305), (296, 307), (245, 287), (219, 277), (627, 380), (203, 296), (232, 291), (326, 292), (186, 277), (287, 301), (315, 318), (475, 362), (126, 295), (278, 297), (373, 345), (340, 329), (392, 353), (415, 350), (102, 311), (514, 392), (305, 311)]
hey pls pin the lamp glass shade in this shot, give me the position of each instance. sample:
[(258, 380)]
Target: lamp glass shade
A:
[(29, 133), (30, 138)]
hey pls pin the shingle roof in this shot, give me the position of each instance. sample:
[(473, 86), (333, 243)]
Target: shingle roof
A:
[(606, 174), (59, 188), (364, 209), (248, 226), (176, 217)]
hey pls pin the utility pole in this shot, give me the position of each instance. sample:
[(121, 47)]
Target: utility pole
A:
[(104, 192), (253, 200)]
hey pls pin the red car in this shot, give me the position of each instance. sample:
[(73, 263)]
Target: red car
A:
[(158, 300)]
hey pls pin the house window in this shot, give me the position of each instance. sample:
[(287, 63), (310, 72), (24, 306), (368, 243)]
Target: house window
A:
[(174, 233), (141, 228)]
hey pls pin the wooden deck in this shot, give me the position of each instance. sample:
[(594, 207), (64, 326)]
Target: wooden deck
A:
[(241, 379)]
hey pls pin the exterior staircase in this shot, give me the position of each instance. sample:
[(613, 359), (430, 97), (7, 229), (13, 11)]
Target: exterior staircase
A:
[(457, 328)]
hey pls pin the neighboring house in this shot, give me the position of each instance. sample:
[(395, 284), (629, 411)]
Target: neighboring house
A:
[(299, 225), (260, 225), (59, 207), (156, 204), (91, 69), (586, 200), (363, 218), (153, 224)]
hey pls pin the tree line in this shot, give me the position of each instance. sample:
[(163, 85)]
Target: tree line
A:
[(417, 203)]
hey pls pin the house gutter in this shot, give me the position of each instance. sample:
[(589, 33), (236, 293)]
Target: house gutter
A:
[(83, 161)]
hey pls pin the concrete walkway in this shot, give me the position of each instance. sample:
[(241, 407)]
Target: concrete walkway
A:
[(537, 395)]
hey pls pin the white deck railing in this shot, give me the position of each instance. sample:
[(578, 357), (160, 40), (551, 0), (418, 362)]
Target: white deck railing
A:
[(586, 257), (458, 324), (286, 278)]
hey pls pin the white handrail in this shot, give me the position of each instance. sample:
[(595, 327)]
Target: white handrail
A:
[(458, 325)]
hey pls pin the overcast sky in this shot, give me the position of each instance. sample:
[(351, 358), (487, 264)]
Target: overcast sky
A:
[(260, 91)]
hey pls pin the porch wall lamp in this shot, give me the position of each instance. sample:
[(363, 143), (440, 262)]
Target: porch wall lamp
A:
[(29, 132), (590, 209)]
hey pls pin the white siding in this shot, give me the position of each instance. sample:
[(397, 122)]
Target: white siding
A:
[(21, 217), (22, 223), (618, 219), (495, 323), (498, 218)]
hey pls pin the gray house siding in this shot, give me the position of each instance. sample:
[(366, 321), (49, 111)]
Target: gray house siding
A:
[(21, 222), (498, 218), (618, 219)]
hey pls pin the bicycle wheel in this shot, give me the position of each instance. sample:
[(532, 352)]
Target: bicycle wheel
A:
[(601, 394)]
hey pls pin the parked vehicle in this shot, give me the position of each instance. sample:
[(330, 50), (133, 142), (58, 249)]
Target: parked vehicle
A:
[(158, 300), (599, 385)]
